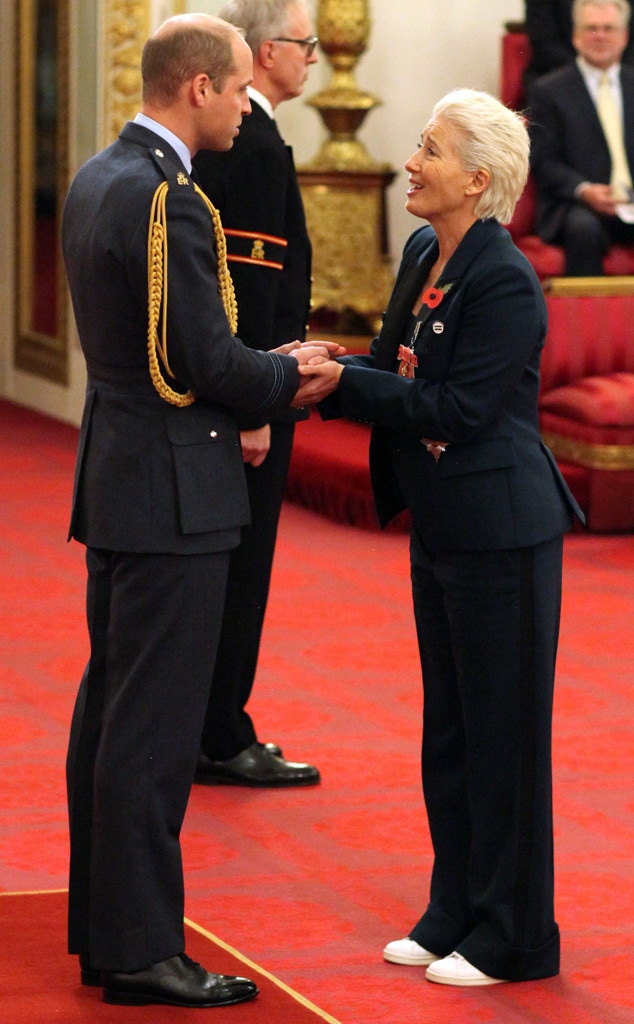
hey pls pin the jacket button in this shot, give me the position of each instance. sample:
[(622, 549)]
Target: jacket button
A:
[(213, 433)]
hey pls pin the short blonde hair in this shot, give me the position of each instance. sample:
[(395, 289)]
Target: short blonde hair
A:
[(493, 138)]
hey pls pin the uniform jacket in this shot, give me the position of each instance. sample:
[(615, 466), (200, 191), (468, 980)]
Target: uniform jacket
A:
[(567, 141), (254, 186), (152, 476), (476, 387)]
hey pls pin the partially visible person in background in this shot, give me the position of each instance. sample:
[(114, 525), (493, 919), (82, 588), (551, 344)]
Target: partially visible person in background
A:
[(582, 140), (549, 28), (254, 186), (451, 387)]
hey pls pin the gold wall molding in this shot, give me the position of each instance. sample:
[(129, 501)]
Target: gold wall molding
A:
[(42, 54), (126, 26)]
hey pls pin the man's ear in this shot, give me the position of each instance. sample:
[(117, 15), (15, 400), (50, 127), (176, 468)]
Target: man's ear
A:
[(200, 86), (265, 55)]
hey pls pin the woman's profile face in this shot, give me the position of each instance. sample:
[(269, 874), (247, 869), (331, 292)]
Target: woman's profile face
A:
[(437, 179)]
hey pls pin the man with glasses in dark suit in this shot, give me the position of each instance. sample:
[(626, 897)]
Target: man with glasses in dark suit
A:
[(255, 188)]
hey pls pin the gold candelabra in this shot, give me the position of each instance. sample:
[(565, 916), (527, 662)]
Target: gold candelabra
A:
[(343, 27), (344, 187)]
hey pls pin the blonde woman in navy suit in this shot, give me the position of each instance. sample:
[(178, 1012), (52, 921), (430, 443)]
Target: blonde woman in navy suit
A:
[(451, 389)]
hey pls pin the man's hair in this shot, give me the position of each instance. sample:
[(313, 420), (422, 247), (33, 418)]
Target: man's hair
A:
[(260, 19), (171, 58), (493, 138), (622, 6)]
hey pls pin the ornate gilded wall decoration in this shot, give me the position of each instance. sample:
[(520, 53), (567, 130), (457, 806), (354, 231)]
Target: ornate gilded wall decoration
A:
[(126, 27)]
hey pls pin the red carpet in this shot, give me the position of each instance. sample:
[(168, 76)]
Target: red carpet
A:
[(40, 985), (310, 884)]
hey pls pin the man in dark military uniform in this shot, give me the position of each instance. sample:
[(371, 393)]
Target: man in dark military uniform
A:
[(159, 502)]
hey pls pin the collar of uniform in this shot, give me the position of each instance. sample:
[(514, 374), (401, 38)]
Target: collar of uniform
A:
[(261, 100), (177, 144)]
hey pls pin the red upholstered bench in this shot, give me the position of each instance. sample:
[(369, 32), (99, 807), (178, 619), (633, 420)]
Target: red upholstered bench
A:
[(586, 407), (329, 472)]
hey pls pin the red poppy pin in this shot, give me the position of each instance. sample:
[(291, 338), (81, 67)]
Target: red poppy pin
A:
[(432, 297)]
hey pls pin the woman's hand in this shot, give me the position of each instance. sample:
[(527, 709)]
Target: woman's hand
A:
[(328, 349)]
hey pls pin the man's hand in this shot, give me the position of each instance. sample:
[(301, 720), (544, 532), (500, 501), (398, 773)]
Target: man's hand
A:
[(319, 381), (255, 445), (327, 349), (599, 198)]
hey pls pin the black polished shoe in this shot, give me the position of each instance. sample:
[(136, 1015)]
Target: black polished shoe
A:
[(256, 766), (89, 975), (178, 981)]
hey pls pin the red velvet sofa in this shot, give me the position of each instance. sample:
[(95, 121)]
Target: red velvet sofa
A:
[(586, 405)]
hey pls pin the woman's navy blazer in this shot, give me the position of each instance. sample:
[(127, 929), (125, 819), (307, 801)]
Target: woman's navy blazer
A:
[(476, 388)]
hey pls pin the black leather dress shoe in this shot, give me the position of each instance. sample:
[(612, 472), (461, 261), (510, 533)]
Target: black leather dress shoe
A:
[(178, 981), (256, 766), (89, 975)]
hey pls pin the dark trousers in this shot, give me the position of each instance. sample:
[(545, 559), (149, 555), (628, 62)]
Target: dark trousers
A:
[(154, 622), (586, 238), (228, 727), (487, 625)]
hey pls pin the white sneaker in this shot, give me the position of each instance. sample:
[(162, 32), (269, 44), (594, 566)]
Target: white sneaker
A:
[(455, 970), (406, 951)]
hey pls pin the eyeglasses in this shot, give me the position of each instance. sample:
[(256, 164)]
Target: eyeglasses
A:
[(310, 43), (594, 30)]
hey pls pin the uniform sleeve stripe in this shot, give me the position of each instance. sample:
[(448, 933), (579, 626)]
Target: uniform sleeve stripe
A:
[(255, 263), (255, 235)]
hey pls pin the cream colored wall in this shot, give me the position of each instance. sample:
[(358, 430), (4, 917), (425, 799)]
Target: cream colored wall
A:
[(418, 51)]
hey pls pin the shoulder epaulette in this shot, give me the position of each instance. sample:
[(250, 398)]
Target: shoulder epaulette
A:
[(157, 279)]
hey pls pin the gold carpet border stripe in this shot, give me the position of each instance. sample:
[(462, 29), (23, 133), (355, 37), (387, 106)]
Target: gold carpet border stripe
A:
[(34, 892), (592, 456), (265, 974)]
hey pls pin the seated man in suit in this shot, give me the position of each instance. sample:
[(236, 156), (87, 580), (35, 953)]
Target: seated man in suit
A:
[(582, 128), (549, 29)]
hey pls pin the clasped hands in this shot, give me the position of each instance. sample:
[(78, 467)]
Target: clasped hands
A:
[(314, 358), (318, 369)]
